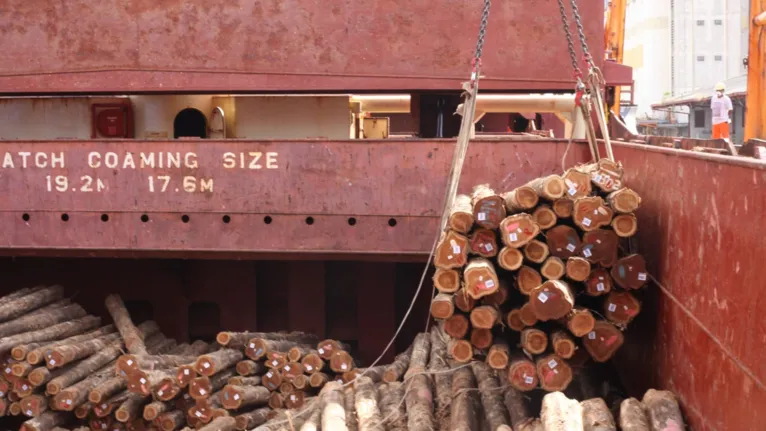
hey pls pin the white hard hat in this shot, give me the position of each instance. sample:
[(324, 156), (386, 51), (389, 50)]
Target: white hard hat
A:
[(720, 86)]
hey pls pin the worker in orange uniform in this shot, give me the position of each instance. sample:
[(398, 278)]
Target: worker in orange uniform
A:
[(722, 111)]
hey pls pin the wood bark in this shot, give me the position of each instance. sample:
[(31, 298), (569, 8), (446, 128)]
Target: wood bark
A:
[(446, 280), (603, 341), (591, 213), (46, 421), (235, 397), (392, 410), (313, 363), (624, 200), (527, 315), (348, 401), (577, 184), (522, 373), (513, 320), (342, 361), (632, 416), (134, 340), (600, 247), (333, 412), (554, 373), (578, 268), (596, 416), (545, 217), (630, 272), (563, 345), (599, 282), (481, 338), (483, 242), (35, 352), (559, 413), (68, 353), (451, 251), (495, 413), (36, 299), (443, 306), (480, 278), (172, 420), (131, 408), (510, 258), (55, 332), (518, 230), (563, 242), (662, 410), (485, 317), (518, 410), (238, 340), (488, 207), (252, 419), (84, 368), (550, 188), (552, 300), (69, 398), (366, 405), (457, 326), (461, 214), (442, 380), (520, 199), (246, 381), (130, 363), (247, 367), (536, 251), (621, 308), (534, 340), (606, 174), (39, 319), (625, 225), (214, 362), (527, 279), (464, 404), (225, 423), (580, 321), (553, 268), (563, 208)]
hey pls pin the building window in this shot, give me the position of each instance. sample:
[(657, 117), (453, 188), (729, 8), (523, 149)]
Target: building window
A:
[(699, 118), (700, 58), (700, 22), (718, 22), (719, 58)]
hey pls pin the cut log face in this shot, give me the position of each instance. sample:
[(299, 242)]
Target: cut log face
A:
[(499, 355), (528, 279), (600, 247), (580, 322), (312, 363), (396, 369), (518, 230), (563, 345), (527, 315), (235, 397), (446, 280), (463, 301), (483, 242), (461, 350), (625, 225), (563, 208), (596, 416), (578, 269), (578, 184), (621, 307), (271, 380), (624, 200), (443, 306), (326, 348), (452, 251), (591, 213), (545, 217), (553, 268), (488, 208), (318, 380), (513, 320), (563, 242), (555, 374), (341, 362), (598, 283), (559, 413), (498, 298), (632, 416), (662, 410), (481, 338), (461, 214), (606, 175), (510, 259), (457, 326), (534, 341), (603, 341), (520, 199), (552, 300), (480, 278), (551, 187), (536, 251), (630, 272), (522, 374), (485, 317)]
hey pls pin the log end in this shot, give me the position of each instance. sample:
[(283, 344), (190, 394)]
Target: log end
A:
[(553, 268), (461, 350), (603, 341), (481, 338), (555, 374), (580, 322), (223, 338), (544, 217), (522, 375), (536, 251), (447, 280), (527, 279), (625, 225), (457, 326), (513, 320), (510, 258)]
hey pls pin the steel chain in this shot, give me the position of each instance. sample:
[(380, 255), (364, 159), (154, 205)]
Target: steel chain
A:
[(581, 33), (482, 33), (570, 42)]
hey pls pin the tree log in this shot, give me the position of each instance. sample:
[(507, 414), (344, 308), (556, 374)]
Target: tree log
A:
[(348, 404), (464, 405), (577, 184), (600, 246), (624, 200), (528, 316), (460, 350), (483, 242), (214, 362), (134, 340), (202, 387), (488, 207), (446, 280), (606, 174), (224, 423), (563, 345), (366, 405), (35, 352), (313, 363), (23, 388), (36, 299), (131, 408), (247, 367), (553, 268), (598, 283), (333, 412), (15, 408), (84, 368), (520, 199), (480, 278), (238, 340), (625, 225), (461, 214), (341, 362), (591, 213), (481, 338), (54, 332), (495, 414), (536, 251), (621, 307), (485, 317), (555, 374), (513, 320), (42, 318), (545, 217), (392, 410), (578, 269), (451, 251), (534, 341), (272, 379), (144, 382), (630, 272), (596, 416), (172, 420), (522, 373), (130, 363), (295, 354), (527, 279), (518, 410), (83, 410), (580, 321), (443, 306), (563, 208), (68, 353), (154, 409), (463, 301), (34, 405), (292, 370), (603, 341), (318, 380), (632, 416), (69, 398), (326, 348), (437, 365), (275, 359), (563, 242), (276, 401), (498, 298), (254, 418), (552, 300), (551, 187), (662, 410), (46, 421), (236, 397), (559, 413), (510, 259), (247, 381), (21, 369), (518, 230), (457, 326)]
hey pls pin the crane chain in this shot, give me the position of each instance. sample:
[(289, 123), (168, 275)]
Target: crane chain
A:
[(570, 42), (482, 32), (581, 34)]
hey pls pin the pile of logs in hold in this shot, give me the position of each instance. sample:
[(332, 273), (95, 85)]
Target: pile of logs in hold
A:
[(532, 278)]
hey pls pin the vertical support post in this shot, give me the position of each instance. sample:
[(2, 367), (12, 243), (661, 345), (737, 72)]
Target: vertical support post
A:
[(755, 120), (306, 297)]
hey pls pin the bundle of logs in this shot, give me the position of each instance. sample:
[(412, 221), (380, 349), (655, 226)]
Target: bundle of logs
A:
[(531, 278)]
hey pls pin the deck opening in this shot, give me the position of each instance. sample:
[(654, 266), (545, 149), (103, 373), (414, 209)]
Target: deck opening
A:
[(191, 123)]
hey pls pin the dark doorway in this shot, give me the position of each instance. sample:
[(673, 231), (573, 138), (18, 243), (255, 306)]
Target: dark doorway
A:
[(437, 119), (190, 122)]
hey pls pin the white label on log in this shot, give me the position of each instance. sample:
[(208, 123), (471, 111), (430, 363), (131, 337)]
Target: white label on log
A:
[(25, 387), (592, 335), (587, 252), (252, 345), (343, 366), (586, 221), (552, 363), (206, 364), (160, 392), (488, 247), (29, 412), (197, 413), (52, 362), (572, 191), (513, 236), (143, 381), (642, 276), (602, 210), (489, 284), (69, 402), (612, 307), (2, 394), (202, 391), (600, 287), (186, 372), (275, 362), (542, 297), (309, 368), (597, 178), (292, 397), (130, 362), (528, 380), (269, 374), (321, 351), (236, 396), (456, 249), (482, 216), (571, 247), (287, 368)]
